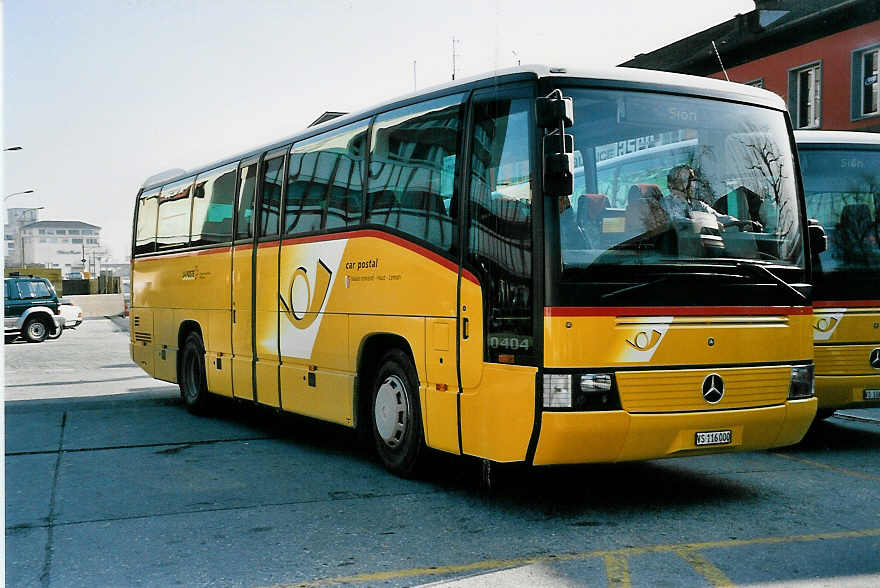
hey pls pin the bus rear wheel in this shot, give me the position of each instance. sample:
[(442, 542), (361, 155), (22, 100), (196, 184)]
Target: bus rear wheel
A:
[(192, 380), (396, 414)]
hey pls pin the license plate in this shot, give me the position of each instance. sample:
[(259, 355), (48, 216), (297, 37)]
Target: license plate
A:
[(712, 438), (872, 394)]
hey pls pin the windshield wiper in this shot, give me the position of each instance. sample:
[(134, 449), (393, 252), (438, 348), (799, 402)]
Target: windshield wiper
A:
[(776, 279), (633, 287)]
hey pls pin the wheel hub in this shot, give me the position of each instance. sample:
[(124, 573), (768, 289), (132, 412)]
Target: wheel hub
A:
[(37, 329), (391, 411)]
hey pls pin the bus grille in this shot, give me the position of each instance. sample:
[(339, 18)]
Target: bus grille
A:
[(843, 360), (143, 337), (682, 390)]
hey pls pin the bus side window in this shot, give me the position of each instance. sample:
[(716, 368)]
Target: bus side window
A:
[(145, 232), (270, 203), (213, 201), (248, 183), (324, 183), (412, 169), (175, 202)]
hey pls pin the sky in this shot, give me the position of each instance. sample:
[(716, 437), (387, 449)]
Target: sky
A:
[(101, 95)]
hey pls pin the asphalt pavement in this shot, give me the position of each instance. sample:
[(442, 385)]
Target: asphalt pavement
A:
[(125, 488)]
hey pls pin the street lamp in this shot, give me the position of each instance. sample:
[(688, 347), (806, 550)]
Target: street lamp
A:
[(8, 196), (16, 148)]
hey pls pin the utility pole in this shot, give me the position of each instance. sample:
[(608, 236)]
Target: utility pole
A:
[(454, 55), (415, 87)]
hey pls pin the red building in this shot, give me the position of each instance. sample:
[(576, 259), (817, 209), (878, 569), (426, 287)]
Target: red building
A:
[(821, 56)]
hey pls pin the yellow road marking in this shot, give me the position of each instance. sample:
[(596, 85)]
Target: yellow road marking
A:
[(498, 564), (827, 467), (617, 571), (704, 567)]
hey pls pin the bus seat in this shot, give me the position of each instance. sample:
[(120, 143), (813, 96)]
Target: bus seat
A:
[(591, 208), (643, 210), (854, 236)]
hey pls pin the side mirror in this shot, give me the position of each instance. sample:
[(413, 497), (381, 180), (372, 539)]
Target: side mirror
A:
[(555, 113), (818, 238)]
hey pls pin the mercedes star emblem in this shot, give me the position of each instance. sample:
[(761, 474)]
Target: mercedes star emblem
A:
[(713, 389), (874, 358)]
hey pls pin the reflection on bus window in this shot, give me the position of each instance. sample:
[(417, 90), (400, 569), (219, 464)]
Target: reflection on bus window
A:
[(412, 166), (500, 251), (843, 193), (661, 178)]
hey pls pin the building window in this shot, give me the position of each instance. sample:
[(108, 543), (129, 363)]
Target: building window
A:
[(805, 96), (865, 83), (77, 241), (60, 232), (73, 232), (759, 83)]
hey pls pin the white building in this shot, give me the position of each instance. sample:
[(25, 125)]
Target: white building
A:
[(72, 246)]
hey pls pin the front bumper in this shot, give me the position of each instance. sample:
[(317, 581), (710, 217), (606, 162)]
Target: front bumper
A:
[(835, 392), (588, 437)]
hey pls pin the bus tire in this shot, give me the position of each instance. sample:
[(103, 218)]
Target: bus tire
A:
[(35, 330), (192, 379), (396, 415)]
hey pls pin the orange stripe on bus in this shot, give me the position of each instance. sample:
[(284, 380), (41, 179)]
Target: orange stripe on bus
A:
[(839, 303), (226, 250), (365, 233), (559, 311)]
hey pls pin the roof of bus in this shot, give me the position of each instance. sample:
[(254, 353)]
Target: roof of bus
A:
[(837, 137), (623, 77)]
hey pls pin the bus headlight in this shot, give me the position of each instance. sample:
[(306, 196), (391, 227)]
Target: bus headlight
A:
[(596, 383), (557, 390), (801, 382), (581, 391)]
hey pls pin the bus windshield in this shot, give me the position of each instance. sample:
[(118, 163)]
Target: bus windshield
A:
[(842, 190), (669, 181)]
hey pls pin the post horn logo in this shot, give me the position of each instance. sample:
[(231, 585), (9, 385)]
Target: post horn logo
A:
[(713, 389), (874, 358), (825, 324), (304, 307), (644, 341)]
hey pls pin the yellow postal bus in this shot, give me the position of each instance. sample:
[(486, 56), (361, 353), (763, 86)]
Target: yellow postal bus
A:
[(841, 175), (536, 266)]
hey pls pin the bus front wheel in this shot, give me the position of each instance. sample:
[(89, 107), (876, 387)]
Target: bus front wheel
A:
[(193, 383), (397, 418)]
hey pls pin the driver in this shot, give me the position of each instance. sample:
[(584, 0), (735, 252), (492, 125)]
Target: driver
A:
[(681, 181)]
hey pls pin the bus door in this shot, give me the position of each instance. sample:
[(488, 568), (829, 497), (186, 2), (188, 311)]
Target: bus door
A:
[(266, 315), (242, 283), (497, 308)]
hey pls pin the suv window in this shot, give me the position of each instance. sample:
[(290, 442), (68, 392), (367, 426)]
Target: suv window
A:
[(11, 290), (24, 290), (40, 289)]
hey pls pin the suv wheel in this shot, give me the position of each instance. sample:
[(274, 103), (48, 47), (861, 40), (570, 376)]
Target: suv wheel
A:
[(35, 330)]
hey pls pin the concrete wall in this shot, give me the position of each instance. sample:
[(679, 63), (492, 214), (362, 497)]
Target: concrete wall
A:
[(98, 304), (51, 274)]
